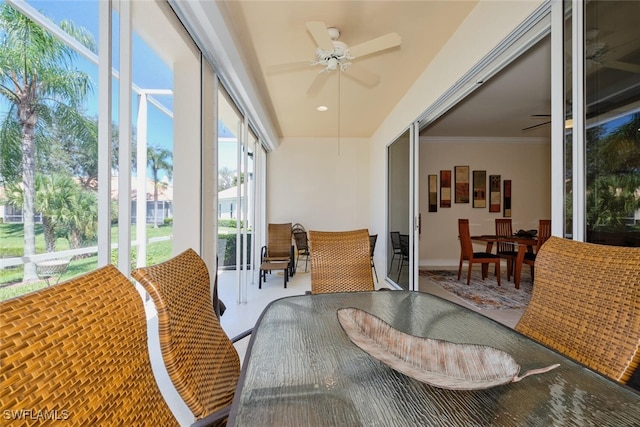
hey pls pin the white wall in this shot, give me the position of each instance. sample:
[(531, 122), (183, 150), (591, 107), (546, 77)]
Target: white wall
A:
[(486, 26), (319, 183), (527, 164)]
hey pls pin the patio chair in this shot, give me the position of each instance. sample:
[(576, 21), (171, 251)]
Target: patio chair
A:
[(279, 246), (79, 350), (201, 360), (372, 245), (302, 247), (585, 305), (467, 254), (397, 250), (340, 261)]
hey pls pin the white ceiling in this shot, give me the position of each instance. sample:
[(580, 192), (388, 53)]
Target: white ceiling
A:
[(272, 35)]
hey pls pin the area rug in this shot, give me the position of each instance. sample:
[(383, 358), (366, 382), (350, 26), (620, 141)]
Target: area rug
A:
[(482, 294)]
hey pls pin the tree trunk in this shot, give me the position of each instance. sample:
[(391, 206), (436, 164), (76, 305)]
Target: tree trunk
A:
[(28, 182), (49, 234)]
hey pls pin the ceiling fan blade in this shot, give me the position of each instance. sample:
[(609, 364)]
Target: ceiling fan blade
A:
[(318, 83), (291, 66), (380, 43), (362, 75), (535, 126), (320, 35), (624, 66)]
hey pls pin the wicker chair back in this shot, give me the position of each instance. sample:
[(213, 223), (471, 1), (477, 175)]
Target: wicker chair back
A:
[(585, 304), (76, 352), (201, 360), (340, 261)]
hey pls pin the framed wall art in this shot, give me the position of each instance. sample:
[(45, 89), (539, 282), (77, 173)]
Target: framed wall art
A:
[(445, 189), (507, 198), (462, 184), (494, 193), (479, 189), (433, 193)]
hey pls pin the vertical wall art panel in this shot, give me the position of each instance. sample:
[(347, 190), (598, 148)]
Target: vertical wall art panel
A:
[(494, 193), (462, 184), (433, 193), (479, 189), (445, 189), (507, 198)]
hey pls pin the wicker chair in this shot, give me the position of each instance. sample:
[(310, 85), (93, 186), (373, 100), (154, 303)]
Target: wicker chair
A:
[(467, 254), (201, 360), (279, 246), (586, 305), (340, 261), (78, 350)]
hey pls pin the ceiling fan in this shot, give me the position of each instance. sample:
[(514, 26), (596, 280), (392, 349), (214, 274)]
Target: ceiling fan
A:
[(538, 116), (596, 53), (335, 55)]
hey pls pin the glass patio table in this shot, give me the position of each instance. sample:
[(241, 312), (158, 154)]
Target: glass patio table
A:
[(301, 369)]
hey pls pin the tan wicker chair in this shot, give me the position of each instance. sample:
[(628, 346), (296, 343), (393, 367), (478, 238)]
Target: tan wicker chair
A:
[(279, 249), (77, 351), (340, 261), (201, 360), (467, 254), (586, 305)]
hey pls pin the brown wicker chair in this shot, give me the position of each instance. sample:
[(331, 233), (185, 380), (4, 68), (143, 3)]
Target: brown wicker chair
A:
[(279, 248), (467, 254), (586, 305), (201, 360), (78, 350), (340, 261)]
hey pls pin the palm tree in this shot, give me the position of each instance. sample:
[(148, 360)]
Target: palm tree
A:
[(38, 78), (158, 159)]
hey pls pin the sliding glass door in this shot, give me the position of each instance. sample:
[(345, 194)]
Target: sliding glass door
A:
[(402, 217)]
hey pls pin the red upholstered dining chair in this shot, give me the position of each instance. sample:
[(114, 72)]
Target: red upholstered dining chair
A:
[(467, 254), (506, 250), (544, 232)]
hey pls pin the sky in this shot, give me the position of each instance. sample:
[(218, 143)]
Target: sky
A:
[(149, 72)]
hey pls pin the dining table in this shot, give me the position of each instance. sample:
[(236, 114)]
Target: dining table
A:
[(302, 369), (524, 244)]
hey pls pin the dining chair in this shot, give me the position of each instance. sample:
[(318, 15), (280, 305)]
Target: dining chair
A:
[(544, 232), (372, 245), (201, 360), (302, 247), (506, 250), (340, 261), (585, 305), (397, 250), (78, 351), (467, 254)]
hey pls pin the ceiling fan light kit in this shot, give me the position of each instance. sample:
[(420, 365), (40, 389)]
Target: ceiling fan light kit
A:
[(334, 54)]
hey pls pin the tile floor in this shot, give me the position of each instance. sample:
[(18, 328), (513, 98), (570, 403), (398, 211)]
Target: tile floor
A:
[(243, 316)]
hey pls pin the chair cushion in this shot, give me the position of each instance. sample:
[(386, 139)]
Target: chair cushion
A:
[(484, 255)]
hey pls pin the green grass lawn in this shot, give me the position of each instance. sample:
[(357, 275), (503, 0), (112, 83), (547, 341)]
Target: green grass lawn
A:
[(11, 236)]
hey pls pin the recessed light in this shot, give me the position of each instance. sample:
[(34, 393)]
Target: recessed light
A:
[(322, 108)]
